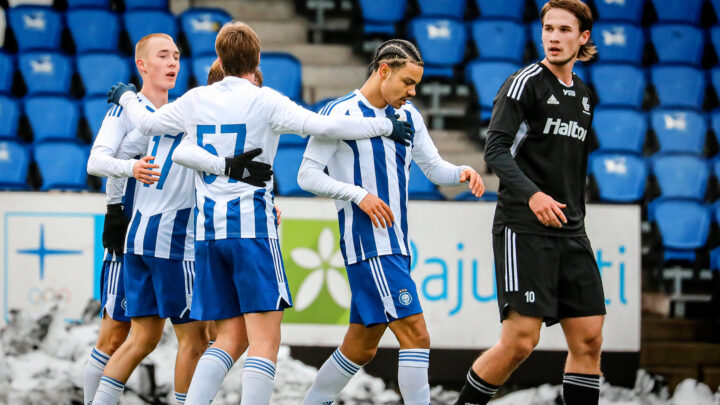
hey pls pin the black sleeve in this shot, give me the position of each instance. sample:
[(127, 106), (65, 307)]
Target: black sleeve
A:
[(507, 117)]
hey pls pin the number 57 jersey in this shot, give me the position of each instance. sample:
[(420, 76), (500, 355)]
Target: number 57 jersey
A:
[(162, 223)]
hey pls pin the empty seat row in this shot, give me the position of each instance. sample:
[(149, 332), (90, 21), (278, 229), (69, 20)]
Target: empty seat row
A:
[(92, 30), (380, 17), (66, 173), (622, 178), (128, 4)]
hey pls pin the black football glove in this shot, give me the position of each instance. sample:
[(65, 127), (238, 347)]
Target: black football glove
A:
[(118, 90), (402, 130), (114, 230), (243, 168)]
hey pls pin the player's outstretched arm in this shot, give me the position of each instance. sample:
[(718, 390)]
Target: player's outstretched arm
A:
[(287, 117), (167, 119), (241, 167)]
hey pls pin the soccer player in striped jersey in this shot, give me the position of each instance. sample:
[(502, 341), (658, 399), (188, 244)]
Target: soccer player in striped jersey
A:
[(241, 281), (159, 257), (369, 181), (545, 266)]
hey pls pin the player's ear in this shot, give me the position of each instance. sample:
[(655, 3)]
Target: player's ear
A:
[(584, 37), (140, 64), (384, 71)]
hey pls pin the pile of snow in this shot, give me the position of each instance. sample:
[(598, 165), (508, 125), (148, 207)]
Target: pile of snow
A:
[(42, 360)]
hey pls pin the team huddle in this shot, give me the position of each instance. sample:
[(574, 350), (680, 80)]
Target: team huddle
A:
[(191, 229)]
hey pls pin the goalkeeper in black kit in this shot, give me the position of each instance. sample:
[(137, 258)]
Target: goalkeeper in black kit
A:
[(545, 267)]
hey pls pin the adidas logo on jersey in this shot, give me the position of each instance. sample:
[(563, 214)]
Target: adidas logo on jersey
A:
[(571, 129), (552, 100)]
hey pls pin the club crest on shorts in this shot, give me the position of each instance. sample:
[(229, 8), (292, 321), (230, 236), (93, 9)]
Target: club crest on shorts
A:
[(123, 304), (404, 297)]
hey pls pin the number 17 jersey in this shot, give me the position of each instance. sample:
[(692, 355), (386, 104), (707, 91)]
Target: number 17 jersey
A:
[(162, 224)]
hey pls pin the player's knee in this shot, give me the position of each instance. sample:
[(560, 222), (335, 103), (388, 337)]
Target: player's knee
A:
[(364, 355), (588, 345), (193, 345), (420, 338), (144, 345), (521, 346)]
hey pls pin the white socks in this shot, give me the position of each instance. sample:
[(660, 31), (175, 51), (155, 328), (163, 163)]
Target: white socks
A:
[(332, 377), (108, 392), (258, 379), (93, 371), (180, 398), (413, 376), (209, 374)]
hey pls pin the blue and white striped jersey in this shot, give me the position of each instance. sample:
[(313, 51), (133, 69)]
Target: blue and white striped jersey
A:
[(380, 166), (162, 225)]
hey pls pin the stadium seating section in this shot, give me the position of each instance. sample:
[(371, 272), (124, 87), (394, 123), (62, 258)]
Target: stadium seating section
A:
[(656, 80)]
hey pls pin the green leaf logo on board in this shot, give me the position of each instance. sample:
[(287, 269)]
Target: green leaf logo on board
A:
[(316, 272)]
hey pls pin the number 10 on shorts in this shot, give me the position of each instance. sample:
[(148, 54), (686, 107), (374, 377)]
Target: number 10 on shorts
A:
[(529, 296)]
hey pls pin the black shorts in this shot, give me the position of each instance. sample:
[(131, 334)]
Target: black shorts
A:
[(547, 277)]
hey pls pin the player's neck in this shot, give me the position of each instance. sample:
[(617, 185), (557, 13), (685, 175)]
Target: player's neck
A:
[(562, 72), (371, 91), (157, 96)]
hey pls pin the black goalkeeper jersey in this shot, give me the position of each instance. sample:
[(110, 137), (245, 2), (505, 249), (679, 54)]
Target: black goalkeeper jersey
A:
[(539, 138)]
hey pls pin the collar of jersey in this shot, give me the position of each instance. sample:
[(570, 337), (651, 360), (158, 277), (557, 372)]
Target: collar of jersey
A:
[(235, 79), (558, 79), (365, 101), (146, 101)]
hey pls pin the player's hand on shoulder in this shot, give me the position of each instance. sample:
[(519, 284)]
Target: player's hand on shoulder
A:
[(142, 170), (118, 90), (475, 183), (380, 214), (114, 229), (402, 130), (243, 168), (547, 210)]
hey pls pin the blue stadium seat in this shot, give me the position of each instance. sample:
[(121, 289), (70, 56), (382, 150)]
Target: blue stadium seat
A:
[(680, 131), (62, 165), (679, 86), (467, 195), (146, 4), (497, 39), (617, 42), (45, 72), (715, 79), (625, 10), (683, 11), (9, 117), (441, 43), (52, 117), (181, 82), (535, 29), (88, 3), (715, 124), (144, 22), (35, 27), (292, 140), (581, 70), (286, 167), (201, 26), (508, 9), (94, 110), (682, 234), (14, 162), (380, 16), (94, 30), (99, 71), (618, 85), (420, 188), (443, 8), (282, 72), (487, 78), (620, 129), (620, 177), (201, 68), (681, 176), (677, 43), (7, 72), (715, 38)]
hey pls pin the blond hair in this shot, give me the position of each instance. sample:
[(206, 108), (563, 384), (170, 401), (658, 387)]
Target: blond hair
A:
[(142, 44)]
